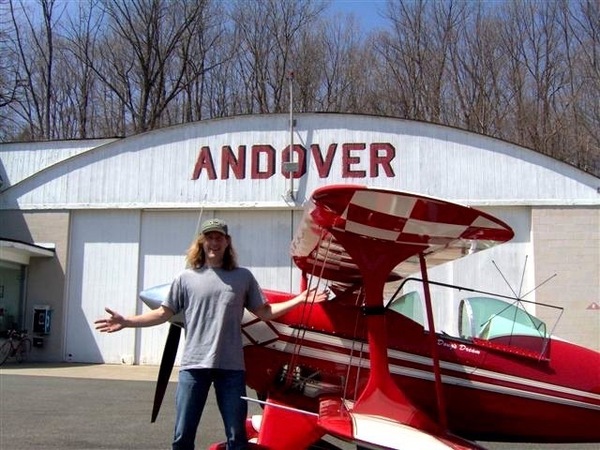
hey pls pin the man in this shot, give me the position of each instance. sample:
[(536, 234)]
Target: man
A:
[(212, 294)]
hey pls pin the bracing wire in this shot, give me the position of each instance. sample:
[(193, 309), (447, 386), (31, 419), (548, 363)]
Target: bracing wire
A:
[(518, 300), (300, 334), (351, 359)]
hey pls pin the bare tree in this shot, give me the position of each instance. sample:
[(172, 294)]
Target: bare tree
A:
[(34, 44), (581, 28), (309, 69), (222, 87), (415, 53), (532, 39), (522, 70), (142, 60), (478, 62), (8, 61), (206, 47), (266, 31), (80, 84), (331, 66), (10, 82)]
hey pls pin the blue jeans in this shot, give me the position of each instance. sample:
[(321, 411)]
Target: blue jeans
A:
[(192, 390)]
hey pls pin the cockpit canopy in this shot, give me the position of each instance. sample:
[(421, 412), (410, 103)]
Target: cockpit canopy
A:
[(500, 323), (489, 318)]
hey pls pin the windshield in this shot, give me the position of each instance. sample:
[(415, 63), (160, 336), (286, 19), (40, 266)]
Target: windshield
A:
[(486, 319), (409, 305)]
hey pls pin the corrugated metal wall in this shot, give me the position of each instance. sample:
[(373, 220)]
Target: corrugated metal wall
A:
[(135, 204), (156, 169), (260, 239), (107, 248), (24, 159), (102, 271)]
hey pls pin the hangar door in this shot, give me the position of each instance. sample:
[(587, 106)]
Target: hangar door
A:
[(103, 271), (116, 254), (166, 235)]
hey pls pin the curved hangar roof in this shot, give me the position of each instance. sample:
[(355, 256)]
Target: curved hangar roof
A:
[(243, 162)]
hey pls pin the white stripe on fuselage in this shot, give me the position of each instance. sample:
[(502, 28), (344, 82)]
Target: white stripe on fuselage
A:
[(350, 359), (393, 435)]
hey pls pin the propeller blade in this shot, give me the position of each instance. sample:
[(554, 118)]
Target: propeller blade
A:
[(166, 367)]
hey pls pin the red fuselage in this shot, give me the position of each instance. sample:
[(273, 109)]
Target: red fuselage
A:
[(491, 392)]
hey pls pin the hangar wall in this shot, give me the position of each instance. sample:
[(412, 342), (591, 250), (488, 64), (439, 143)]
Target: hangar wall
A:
[(238, 163), (122, 212), (566, 242), (46, 277), (116, 254)]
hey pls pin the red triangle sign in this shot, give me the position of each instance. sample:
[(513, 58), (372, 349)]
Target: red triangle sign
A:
[(594, 306)]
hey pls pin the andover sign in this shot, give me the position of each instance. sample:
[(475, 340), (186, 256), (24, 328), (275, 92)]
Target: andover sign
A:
[(356, 160)]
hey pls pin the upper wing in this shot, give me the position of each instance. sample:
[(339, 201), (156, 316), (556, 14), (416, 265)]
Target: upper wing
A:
[(404, 222)]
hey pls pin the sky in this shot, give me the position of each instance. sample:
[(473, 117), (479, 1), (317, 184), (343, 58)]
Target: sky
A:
[(365, 11)]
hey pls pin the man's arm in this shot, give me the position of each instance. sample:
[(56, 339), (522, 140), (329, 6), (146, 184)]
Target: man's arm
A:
[(117, 322), (270, 311)]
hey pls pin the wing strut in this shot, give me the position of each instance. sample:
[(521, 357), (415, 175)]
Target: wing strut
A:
[(381, 394), (166, 367), (441, 404)]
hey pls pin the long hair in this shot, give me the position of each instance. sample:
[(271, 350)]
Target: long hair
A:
[(196, 257)]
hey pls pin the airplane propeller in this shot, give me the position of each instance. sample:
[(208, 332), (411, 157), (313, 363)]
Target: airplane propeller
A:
[(153, 298), (166, 367)]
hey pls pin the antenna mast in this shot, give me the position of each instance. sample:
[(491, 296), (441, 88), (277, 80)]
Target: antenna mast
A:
[(290, 166)]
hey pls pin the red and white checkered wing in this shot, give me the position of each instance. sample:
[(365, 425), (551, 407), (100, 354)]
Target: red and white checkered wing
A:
[(406, 223)]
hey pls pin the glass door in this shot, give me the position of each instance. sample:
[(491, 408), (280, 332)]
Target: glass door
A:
[(12, 278)]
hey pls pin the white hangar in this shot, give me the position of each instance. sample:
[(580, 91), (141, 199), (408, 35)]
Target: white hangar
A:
[(88, 224)]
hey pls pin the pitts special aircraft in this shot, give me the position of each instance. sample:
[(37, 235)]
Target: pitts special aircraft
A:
[(373, 371)]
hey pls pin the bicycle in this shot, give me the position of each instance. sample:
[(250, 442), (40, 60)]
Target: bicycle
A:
[(18, 346)]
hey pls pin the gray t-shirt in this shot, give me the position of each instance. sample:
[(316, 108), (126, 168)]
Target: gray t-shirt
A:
[(213, 302)]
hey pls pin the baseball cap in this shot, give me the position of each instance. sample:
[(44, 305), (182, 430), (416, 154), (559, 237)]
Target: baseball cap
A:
[(217, 225)]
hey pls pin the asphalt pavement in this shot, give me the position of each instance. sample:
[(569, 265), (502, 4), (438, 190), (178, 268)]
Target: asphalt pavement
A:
[(69, 406), (84, 407)]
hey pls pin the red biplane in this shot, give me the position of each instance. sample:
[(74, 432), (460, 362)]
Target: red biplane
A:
[(371, 369)]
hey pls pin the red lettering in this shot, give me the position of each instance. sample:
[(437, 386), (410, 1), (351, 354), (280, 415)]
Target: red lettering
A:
[(255, 170), (204, 161), (349, 160), (263, 158), (384, 160), (300, 159), (229, 161), (323, 165)]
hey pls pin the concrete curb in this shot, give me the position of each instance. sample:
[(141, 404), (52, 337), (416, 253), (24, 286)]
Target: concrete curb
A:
[(90, 371)]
